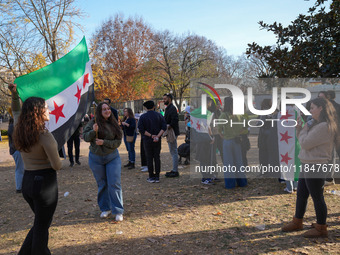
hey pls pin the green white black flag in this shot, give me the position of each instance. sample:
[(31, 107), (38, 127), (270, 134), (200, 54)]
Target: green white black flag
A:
[(67, 86)]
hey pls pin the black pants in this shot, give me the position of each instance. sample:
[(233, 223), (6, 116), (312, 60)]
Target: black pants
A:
[(265, 144), (40, 190), (76, 140), (142, 153), (153, 151), (313, 187)]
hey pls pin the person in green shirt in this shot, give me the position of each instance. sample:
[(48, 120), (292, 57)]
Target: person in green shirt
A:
[(232, 153)]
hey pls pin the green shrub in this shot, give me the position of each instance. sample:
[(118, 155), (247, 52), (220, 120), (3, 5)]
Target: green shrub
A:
[(3, 132)]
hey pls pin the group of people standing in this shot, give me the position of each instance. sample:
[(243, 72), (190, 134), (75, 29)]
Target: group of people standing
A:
[(151, 125), (39, 154), (36, 151), (317, 135)]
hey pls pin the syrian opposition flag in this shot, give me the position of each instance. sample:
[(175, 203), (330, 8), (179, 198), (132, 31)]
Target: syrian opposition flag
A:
[(67, 86), (200, 122), (289, 146), (199, 129)]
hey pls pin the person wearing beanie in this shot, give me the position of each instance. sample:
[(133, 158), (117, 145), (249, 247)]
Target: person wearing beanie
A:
[(152, 125)]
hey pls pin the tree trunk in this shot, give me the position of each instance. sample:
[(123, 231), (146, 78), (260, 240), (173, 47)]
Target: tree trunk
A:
[(180, 104)]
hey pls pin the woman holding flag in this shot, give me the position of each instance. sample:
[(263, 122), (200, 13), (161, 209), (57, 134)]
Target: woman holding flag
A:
[(39, 152), (105, 136), (317, 139)]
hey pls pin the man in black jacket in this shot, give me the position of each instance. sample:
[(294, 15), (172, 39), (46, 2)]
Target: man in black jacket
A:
[(152, 125), (171, 118)]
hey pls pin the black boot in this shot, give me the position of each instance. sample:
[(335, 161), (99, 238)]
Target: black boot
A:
[(128, 164), (132, 166)]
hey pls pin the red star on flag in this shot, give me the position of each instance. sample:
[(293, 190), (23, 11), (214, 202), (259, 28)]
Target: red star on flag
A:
[(78, 95), (286, 116), (86, 80), (285, 137), (191, 122), (198, 126), (285, 158), (58, 111)]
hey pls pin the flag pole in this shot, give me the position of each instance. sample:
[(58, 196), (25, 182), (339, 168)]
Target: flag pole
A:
[(95, 119)]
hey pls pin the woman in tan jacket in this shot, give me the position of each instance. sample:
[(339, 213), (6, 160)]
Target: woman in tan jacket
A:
[(317, 139)]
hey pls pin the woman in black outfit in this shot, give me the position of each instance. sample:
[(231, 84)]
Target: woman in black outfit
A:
[(39, 152), (129, 128)]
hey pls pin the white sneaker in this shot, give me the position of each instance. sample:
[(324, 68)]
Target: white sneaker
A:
[(144, 169), (288, 191), (119, 217), (105, 214)]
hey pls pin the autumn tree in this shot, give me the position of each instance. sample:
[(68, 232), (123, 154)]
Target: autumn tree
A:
[(308, 47), (4, 103), (183, 58), (121, 54), (33, 33)]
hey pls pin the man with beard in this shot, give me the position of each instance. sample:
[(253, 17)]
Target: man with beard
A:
[(171, 118)]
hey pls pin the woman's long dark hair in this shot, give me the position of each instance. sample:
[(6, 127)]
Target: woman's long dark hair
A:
[(327, 114), (130, 113), (228, 105), (30, 124), (101, 121)]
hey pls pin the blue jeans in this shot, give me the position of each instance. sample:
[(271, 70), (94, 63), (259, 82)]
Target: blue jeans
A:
[(290, 185), (19, 169), (232, 156), (130, 147), (107, 170), (174, 155)]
